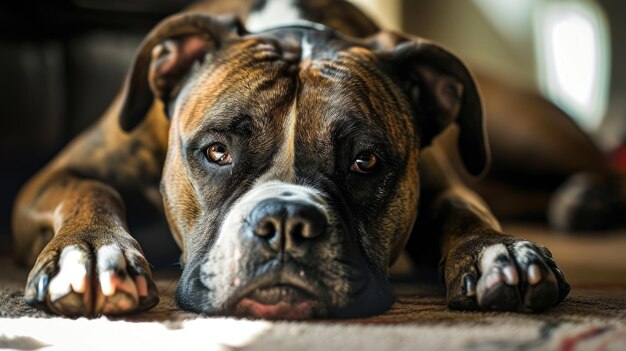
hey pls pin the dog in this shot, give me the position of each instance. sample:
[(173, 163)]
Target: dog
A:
[(291, 155)]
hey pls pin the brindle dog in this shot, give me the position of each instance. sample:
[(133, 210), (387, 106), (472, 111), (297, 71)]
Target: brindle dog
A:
[(290, 162)]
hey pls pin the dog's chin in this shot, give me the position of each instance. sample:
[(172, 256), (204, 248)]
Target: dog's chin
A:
[(284, 302)]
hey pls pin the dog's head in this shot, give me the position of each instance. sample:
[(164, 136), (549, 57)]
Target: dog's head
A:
[(291, 179)]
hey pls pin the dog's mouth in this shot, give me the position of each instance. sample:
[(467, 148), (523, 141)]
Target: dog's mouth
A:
[(280, 301)]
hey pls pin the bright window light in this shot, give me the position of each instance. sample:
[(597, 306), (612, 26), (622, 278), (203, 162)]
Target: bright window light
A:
[(572, 47), (512, 18)]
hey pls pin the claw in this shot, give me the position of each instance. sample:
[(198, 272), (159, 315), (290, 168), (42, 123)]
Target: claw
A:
[(107, 283), (534, 274), (42, 287), (79, 283), (510, 275), (142, 285), (469, 285)]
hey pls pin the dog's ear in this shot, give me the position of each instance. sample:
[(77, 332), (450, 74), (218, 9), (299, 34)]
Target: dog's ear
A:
[(165, 57), (441, 90)]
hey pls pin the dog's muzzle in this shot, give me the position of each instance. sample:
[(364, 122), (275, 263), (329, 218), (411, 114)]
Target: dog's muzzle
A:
[(272, 231), (285, 226), (282, 252)]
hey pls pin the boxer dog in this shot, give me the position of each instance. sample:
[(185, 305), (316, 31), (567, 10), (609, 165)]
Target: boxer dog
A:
[(290, 144)]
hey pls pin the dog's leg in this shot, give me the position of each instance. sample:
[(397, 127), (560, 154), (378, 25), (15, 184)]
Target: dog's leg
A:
[(483, 267), (71, 218)]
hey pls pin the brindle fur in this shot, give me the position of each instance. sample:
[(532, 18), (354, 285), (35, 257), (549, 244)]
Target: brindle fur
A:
[(384, 91)]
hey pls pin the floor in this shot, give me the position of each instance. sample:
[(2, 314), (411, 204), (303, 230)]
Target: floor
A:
[(593, 317)]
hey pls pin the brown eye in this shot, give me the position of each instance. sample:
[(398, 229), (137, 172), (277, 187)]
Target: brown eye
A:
[(219, 153), (365, 163)]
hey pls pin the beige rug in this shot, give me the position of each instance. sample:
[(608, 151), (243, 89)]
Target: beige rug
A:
[(593, 317)]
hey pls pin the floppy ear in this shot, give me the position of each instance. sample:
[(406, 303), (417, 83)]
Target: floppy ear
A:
[(165, 57), (441, 90)]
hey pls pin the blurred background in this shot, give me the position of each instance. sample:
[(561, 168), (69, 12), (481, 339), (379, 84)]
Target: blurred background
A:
[(61, 63)]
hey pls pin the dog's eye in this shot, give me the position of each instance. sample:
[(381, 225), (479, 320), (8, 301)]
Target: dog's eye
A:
[(365, 163), (219, 154)]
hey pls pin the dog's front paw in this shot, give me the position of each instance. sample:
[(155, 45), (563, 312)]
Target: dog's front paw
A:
[(82, 280), (505, 274)]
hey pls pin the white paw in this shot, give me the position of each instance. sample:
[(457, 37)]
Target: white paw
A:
[(107, 281)]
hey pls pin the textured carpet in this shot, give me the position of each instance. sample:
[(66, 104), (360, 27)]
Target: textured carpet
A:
[(593, 317)]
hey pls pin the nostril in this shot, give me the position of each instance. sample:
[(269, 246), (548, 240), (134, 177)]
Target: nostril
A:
[(303, 229), (313, 229), (266, 228), (297, 231)]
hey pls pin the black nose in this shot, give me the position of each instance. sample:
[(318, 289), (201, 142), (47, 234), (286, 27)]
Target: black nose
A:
[(286, 225)]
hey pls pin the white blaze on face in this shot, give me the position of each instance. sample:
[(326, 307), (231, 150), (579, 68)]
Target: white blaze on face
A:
[(275, 13), (288, 156), (283, 163)]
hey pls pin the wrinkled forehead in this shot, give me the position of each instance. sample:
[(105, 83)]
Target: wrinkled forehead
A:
[(247, 77), (351, 92), (330, 82)]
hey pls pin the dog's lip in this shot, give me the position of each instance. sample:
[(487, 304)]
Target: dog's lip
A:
[(274, 294), (291, 303), (281, 311), (281, 278), (302, 300)]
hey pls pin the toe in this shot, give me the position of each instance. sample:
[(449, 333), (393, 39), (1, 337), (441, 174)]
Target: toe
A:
[(539, 283), (67, 291), (495, 293), (542, 290), (71, 304), (147, 291), (462, 293), (501, 297), (497, 287), (117, 293), (74, 264)]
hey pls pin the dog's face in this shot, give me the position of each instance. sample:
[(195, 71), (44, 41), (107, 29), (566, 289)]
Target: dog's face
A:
[(291, 179), (289, 186)]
